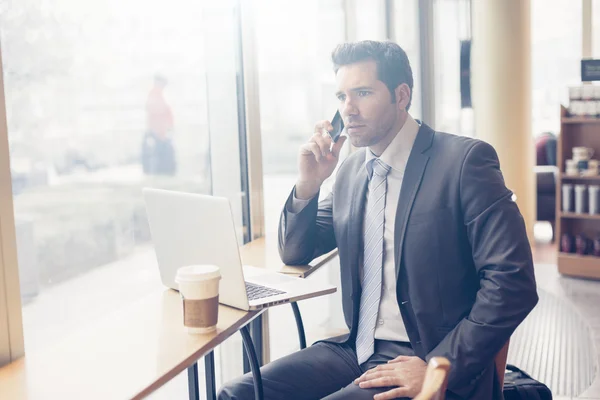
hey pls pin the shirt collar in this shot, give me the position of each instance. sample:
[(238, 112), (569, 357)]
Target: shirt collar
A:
[(397, 153)]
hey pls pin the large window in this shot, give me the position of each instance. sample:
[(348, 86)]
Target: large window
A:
[(451, 27), (555, 59), (406, 33), (297, 85), (596, 28), (103, 99), (297, 89)]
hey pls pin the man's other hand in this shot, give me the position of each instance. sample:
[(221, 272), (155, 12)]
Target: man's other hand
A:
[(407, 373)]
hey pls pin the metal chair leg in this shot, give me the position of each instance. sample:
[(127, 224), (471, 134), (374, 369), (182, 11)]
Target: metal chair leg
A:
[(193, 389), (209, 375)]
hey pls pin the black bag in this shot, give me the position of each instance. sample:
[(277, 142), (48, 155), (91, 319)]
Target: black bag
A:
[(520, 386)]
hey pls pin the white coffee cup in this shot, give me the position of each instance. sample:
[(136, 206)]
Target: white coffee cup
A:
[(593, 167), (582, 153), (577, 108), (590, 108), (575, 92), (587, 92), (199, 289), (572, 172)]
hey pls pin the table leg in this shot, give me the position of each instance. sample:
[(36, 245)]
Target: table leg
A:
[(257, 339), (254, 365), (194, 391), (299, 325), (209, 374)]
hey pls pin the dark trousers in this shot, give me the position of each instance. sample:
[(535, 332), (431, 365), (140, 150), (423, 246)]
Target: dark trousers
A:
[(158, 155), (322, 371)]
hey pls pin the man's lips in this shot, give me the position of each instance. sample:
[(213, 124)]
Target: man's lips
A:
[(354, 127)]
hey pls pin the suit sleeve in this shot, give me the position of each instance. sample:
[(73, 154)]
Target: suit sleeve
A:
[(503, 262), (306, 232)]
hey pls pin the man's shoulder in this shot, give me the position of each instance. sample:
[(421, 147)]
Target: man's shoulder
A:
[(456, 148), (447, 145), (449, 142)]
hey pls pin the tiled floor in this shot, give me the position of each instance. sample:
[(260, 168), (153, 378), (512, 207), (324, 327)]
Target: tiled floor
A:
[(584, 298), (554, 345)]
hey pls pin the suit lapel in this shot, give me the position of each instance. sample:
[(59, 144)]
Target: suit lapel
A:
[(413, 175), (355, 233)]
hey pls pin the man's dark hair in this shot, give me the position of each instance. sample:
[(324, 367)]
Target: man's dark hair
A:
[(393, 67)]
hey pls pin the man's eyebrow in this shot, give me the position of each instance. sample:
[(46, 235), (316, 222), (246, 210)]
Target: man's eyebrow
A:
[(356, 89)]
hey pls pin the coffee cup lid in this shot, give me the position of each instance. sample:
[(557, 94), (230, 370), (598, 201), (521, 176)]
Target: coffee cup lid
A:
[(196, 273)]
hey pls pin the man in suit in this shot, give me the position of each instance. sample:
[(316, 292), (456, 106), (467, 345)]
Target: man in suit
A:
[(433, 250)]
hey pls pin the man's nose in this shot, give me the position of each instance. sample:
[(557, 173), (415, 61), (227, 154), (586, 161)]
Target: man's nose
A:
[(349, 108)]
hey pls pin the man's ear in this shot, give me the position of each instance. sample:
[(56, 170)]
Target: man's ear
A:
[(402, 96)]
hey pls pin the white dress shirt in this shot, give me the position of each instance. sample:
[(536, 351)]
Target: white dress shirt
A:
[(389, 322)]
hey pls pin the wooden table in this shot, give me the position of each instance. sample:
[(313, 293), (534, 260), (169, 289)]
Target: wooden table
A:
[(263, 253), (129, 354), (134, 351)]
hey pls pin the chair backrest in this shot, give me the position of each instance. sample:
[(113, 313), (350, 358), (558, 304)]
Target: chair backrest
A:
[(436, 380)]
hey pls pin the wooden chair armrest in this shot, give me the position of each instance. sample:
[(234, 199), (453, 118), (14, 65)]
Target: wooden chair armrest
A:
[(436, 380)]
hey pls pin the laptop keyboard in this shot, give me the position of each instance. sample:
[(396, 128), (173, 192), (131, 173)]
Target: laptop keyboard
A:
[(256, 292)]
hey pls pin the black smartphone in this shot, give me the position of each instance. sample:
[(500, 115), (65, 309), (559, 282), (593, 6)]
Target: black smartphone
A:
[(338, 126)]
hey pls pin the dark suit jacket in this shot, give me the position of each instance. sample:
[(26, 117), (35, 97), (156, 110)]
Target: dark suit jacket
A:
[(463, 260)]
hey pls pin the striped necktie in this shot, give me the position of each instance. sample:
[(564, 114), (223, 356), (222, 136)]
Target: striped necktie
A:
[(372, 260)]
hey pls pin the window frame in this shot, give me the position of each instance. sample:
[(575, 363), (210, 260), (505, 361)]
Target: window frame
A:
[(11, 318), (252, 139)]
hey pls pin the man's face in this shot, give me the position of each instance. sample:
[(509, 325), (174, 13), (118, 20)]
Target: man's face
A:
[(365, 104)]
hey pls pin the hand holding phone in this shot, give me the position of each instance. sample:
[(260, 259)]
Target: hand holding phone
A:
[(319, 157)]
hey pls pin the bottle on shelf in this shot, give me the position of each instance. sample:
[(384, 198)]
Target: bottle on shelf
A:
[(580, 199), (567, 197), (593, 191)]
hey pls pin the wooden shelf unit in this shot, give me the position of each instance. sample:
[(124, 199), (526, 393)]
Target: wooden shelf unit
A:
[(576, 131), (580, 266), (565, 177), (580, 120), (573, 215)]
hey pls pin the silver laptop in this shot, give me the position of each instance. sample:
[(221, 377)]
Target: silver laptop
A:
[(197, 229)]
